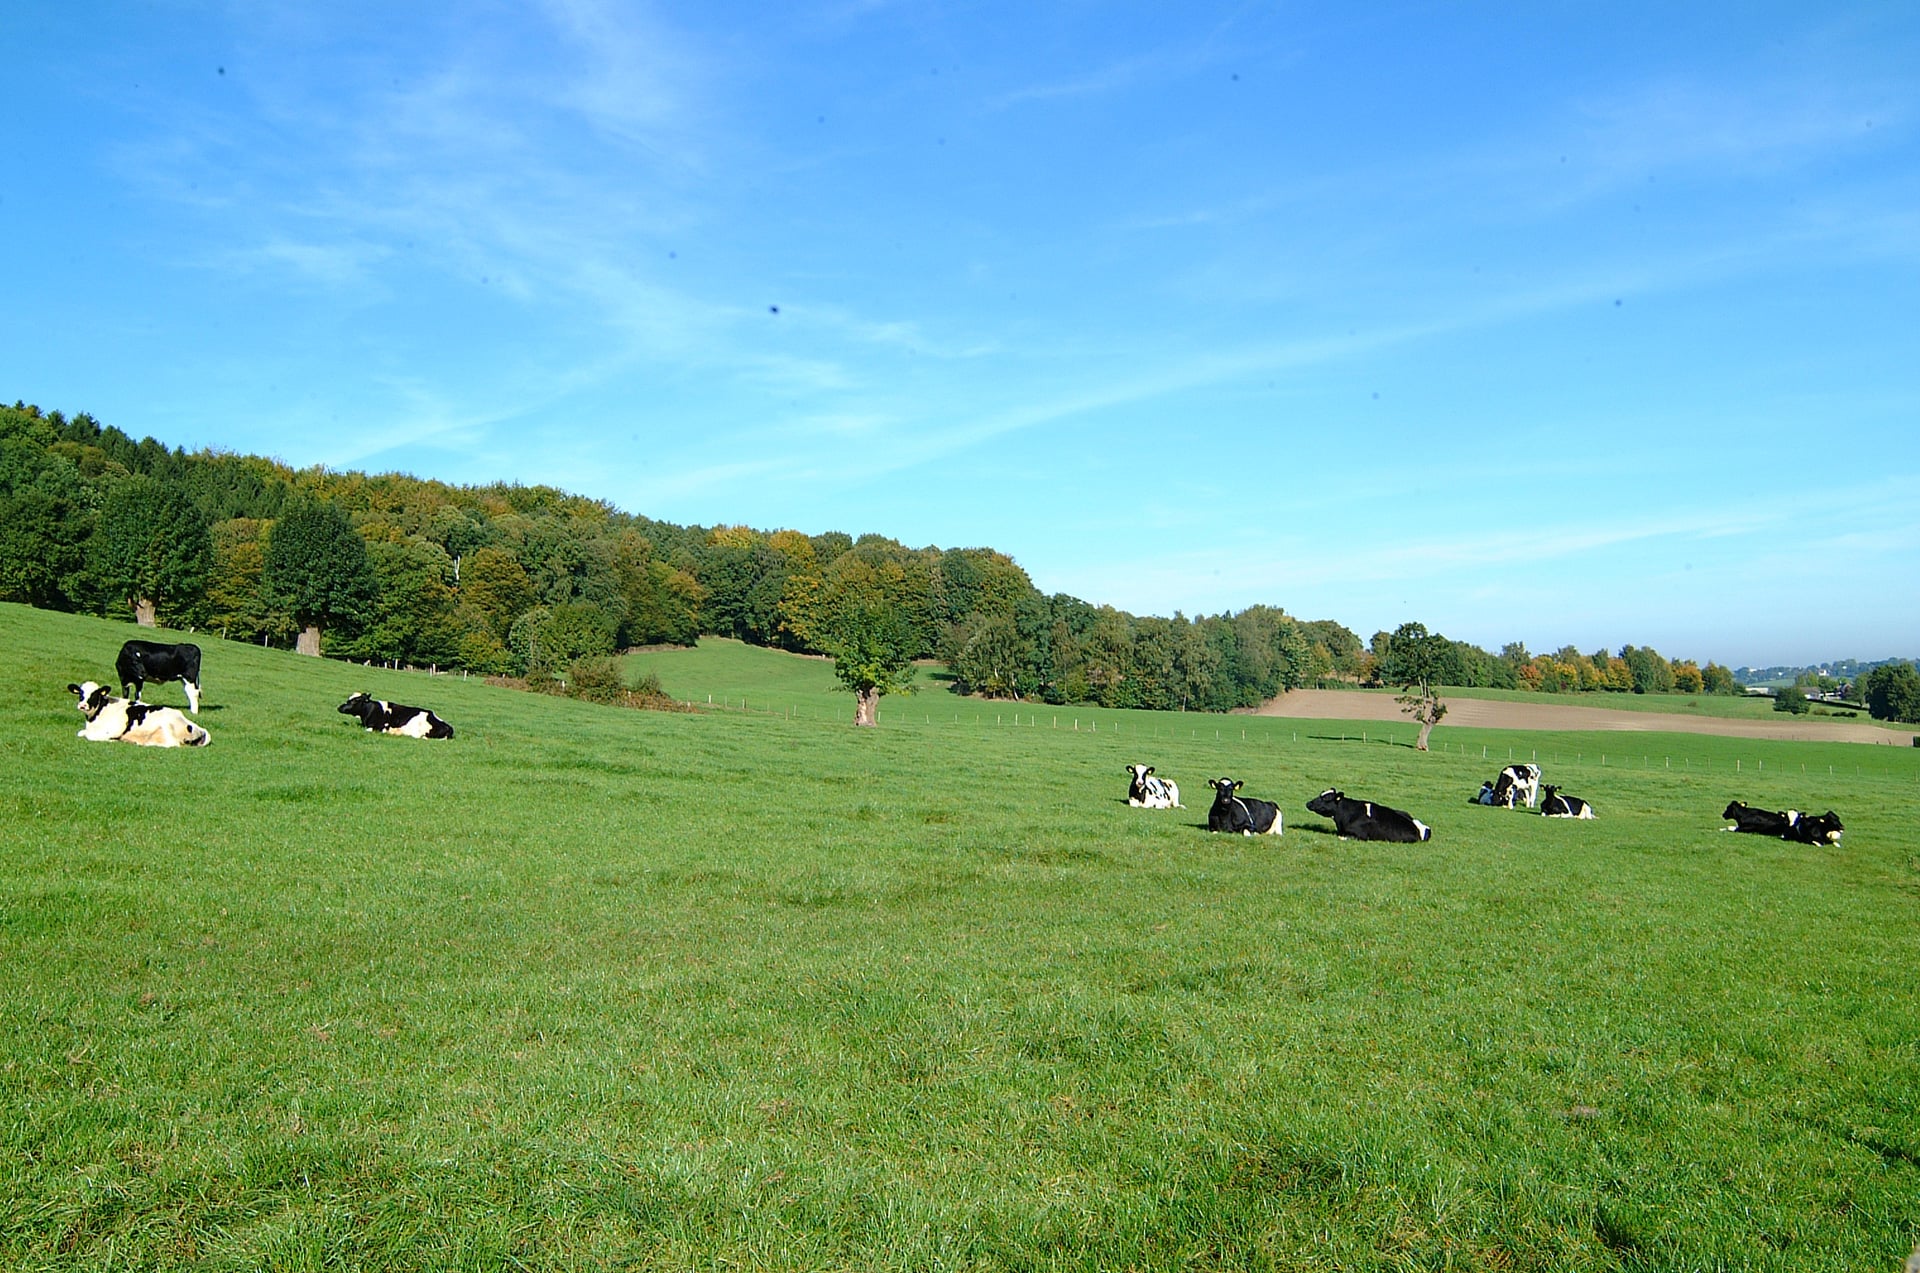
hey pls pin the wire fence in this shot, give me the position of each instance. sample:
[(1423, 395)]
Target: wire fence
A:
[(1228, 730)]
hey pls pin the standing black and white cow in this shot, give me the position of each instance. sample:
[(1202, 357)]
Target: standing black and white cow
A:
[(1759, 821), (121, 720), (1516, 782), (1240, 813), (1148, 792), (1365, 820), (143, 661), (380, 716), (1555, 805)]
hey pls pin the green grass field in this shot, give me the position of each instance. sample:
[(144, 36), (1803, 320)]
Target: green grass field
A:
[(748, 988)]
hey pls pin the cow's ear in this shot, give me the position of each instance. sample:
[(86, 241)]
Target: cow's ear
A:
[(74, 688), (1149, 768)]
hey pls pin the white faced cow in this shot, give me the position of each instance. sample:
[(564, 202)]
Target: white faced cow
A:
[(380, 716), (111, 719), (1555, 805), (143, 661), (1365, 820), (1149, 792), (1240, 813)]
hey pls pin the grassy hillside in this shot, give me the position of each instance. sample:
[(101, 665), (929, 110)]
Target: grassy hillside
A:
[(588, 988)]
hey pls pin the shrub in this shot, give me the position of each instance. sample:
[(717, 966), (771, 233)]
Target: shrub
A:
[(596, 678)]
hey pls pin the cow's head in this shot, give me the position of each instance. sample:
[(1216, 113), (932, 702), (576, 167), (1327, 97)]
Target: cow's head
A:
[(1326, 802), (1734, 808), (357, 705), (1225, 786), (91, 698)]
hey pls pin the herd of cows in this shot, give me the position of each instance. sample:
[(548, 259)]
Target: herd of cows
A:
[(128, 720), (1516, 785)]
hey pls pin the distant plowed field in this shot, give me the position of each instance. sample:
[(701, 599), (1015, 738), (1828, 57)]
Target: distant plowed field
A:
[(1481, 713)]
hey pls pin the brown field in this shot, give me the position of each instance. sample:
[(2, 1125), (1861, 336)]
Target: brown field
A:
[(1481, 713)]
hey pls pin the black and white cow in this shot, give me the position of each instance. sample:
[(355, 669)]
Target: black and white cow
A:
[(1365, 820), (143, 661), (121, 720), (1517, 782), (1759, 821), (1555, 805), (1241, 813), (1148, 792), (380, 716), (1808, 829)]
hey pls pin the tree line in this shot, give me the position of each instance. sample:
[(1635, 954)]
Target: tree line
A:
[(514, 580)]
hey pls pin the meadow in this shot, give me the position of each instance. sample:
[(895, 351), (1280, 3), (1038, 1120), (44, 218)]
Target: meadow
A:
[(748, 988)]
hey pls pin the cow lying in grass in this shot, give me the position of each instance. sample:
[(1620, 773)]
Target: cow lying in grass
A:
[(122, 720), (1148, 792), (1555, 805), (1365, 820), (1791, 824), (1240, 813), (382, 717)]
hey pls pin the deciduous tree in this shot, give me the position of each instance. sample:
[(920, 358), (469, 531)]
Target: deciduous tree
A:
[(872, 648), (1413, 659), (316, 569), (153, 547)]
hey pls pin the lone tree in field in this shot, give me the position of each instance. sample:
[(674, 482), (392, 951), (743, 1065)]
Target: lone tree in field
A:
[(872, 650), (1414, 657), (154, 547), (316, 569)]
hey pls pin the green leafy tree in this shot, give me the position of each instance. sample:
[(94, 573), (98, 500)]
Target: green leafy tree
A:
[(45, 520), (1791, 699), (412, 616), (153, 547), (1715, 679), (234, 604), (1892, 692), (1413, 660), (317, 570), (872, 647), (988, 657)]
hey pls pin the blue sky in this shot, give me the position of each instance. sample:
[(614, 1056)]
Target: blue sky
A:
[(1558, 323)]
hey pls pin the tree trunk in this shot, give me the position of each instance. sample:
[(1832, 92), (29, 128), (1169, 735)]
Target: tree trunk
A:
[(309, 641), (143, 612), (866, 706), (1426, 727)]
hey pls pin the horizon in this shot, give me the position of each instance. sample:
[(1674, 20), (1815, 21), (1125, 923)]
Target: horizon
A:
[(1582, 328)]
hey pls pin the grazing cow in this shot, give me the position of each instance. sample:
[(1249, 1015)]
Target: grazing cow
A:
[(143, 661), (1149, 792), (1555, 805), (1240, 813), (380, 716), (1365, 820), (1517, 782), (1759, 821), (111, 719), (1808, 829)]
